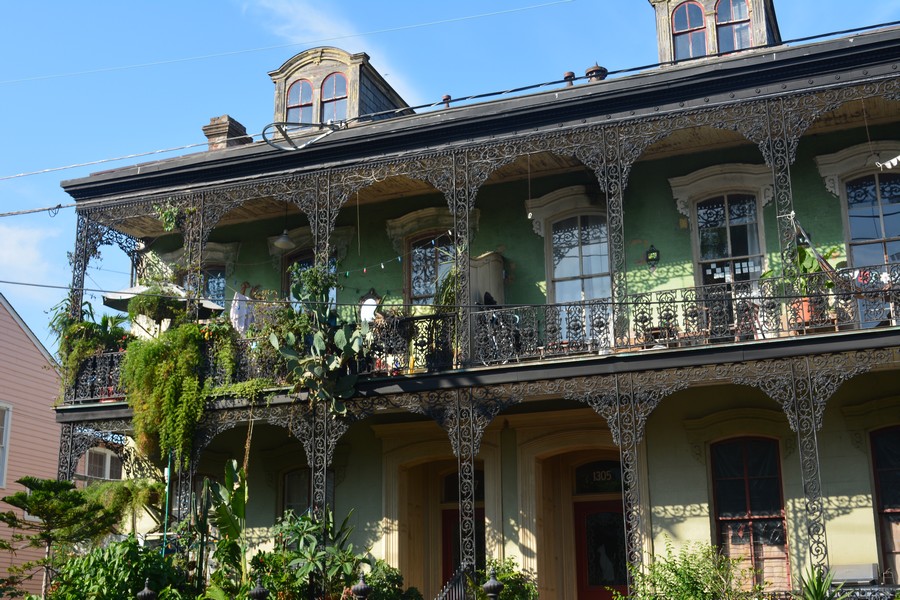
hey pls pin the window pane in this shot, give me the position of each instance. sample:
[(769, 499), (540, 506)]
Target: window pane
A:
[(726, 38), (862, 204), (597, 287), (742, 36), (765, 497), (294, 94), (741, 209), (567, 291), (96, 467), (565, 248), (731, 498), (296, 490), (115, 467), (682, 47), (698, 43), (863, 255), (711, 213), (890, 203), (728, 459), (680, 17), (713, 243), (695, 15), (762, 458)]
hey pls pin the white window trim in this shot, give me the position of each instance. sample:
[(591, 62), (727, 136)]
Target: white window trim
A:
[(722, 180), (107, 453), (852, 162), (561, 204), (838, 168), (5, 441), (411, 225)]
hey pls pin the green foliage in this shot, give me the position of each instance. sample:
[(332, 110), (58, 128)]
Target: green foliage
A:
[(252, 389), (228, 512), (79, 339), (315, 551), (319, 361), (117, 571), (517, 584), (157, 304), (386, 583), (168, 214), (696, 572), (128, 497), (816, 584), (222, 340), (161, 378), (60, 515)]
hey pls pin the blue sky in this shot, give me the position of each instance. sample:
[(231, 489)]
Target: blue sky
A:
[(87, 81)]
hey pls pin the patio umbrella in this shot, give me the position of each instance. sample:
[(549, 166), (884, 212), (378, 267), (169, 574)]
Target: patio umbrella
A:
[(119, 300)]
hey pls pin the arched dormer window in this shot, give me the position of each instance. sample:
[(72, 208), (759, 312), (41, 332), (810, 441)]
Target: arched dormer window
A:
[(688, 31), (300, 102), (334, 98), (732, 25)]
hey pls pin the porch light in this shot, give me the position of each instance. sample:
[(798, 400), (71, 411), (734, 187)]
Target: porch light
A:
[(652, 257), (283, 241)]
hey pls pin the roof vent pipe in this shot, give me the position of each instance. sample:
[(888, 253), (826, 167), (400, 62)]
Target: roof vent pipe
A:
[(446, 100), (596, 73), (569, 78)]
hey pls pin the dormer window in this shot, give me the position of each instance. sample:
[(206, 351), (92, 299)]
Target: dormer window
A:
[(300, 102), (334, 98), (732, 25), (688, 31)]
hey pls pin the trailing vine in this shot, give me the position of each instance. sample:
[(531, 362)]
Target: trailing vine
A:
[(253, 390), (162, 380)]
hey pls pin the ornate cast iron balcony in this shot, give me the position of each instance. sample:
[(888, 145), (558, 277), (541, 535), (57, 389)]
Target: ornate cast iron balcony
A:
[(727, 313)]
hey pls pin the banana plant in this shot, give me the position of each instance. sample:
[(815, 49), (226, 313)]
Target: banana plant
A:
[(228, 512), (320, 361)]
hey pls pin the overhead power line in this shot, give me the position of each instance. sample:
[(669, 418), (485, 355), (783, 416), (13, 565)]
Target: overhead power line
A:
[(280, 46)]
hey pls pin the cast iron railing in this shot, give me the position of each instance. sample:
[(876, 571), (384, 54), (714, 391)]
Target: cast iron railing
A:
[(726, 313)]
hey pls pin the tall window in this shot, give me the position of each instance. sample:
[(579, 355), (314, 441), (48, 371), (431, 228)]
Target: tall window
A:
[(334, 98), (688, 31), (4, 442), (296, 491), (300, 102), (886, 459), (732, 25), (580, 259), (431, 259), (304, 260), (749, 507), (873, 207), (103, 465), (728, 231)]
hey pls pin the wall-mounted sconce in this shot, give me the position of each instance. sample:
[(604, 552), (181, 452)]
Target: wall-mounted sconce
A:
[(652, 257)]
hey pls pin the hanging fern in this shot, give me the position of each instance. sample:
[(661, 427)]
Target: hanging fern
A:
[(162, 382)]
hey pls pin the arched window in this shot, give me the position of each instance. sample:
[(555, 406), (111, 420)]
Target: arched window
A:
[(886, 463), (728, 239), (300, 102), (688, 31), (431, 259), (873, 212), (732, 25), (580, 246), (334, 98), (749, 507)]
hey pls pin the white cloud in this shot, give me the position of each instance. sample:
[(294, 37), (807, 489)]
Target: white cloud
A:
[(312, 24)]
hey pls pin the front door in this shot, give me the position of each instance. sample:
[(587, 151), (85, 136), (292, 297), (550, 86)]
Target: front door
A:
[(600, 549), (450, 549)]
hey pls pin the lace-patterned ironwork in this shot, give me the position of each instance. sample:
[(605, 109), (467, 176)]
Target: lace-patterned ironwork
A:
[(78, 438)]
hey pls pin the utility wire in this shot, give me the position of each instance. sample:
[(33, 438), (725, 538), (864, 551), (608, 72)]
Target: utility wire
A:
[(280, 46), (441, 102)]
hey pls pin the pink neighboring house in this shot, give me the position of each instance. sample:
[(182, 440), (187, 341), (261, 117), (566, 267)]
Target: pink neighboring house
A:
[(29, 434)]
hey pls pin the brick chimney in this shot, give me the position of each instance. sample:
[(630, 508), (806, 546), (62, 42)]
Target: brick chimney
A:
[(225, 132)]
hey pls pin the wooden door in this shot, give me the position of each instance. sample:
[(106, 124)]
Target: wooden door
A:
[(600, 549)]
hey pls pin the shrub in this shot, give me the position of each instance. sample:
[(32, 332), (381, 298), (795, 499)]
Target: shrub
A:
[(117, 571), (517, 584), (697, 572)]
